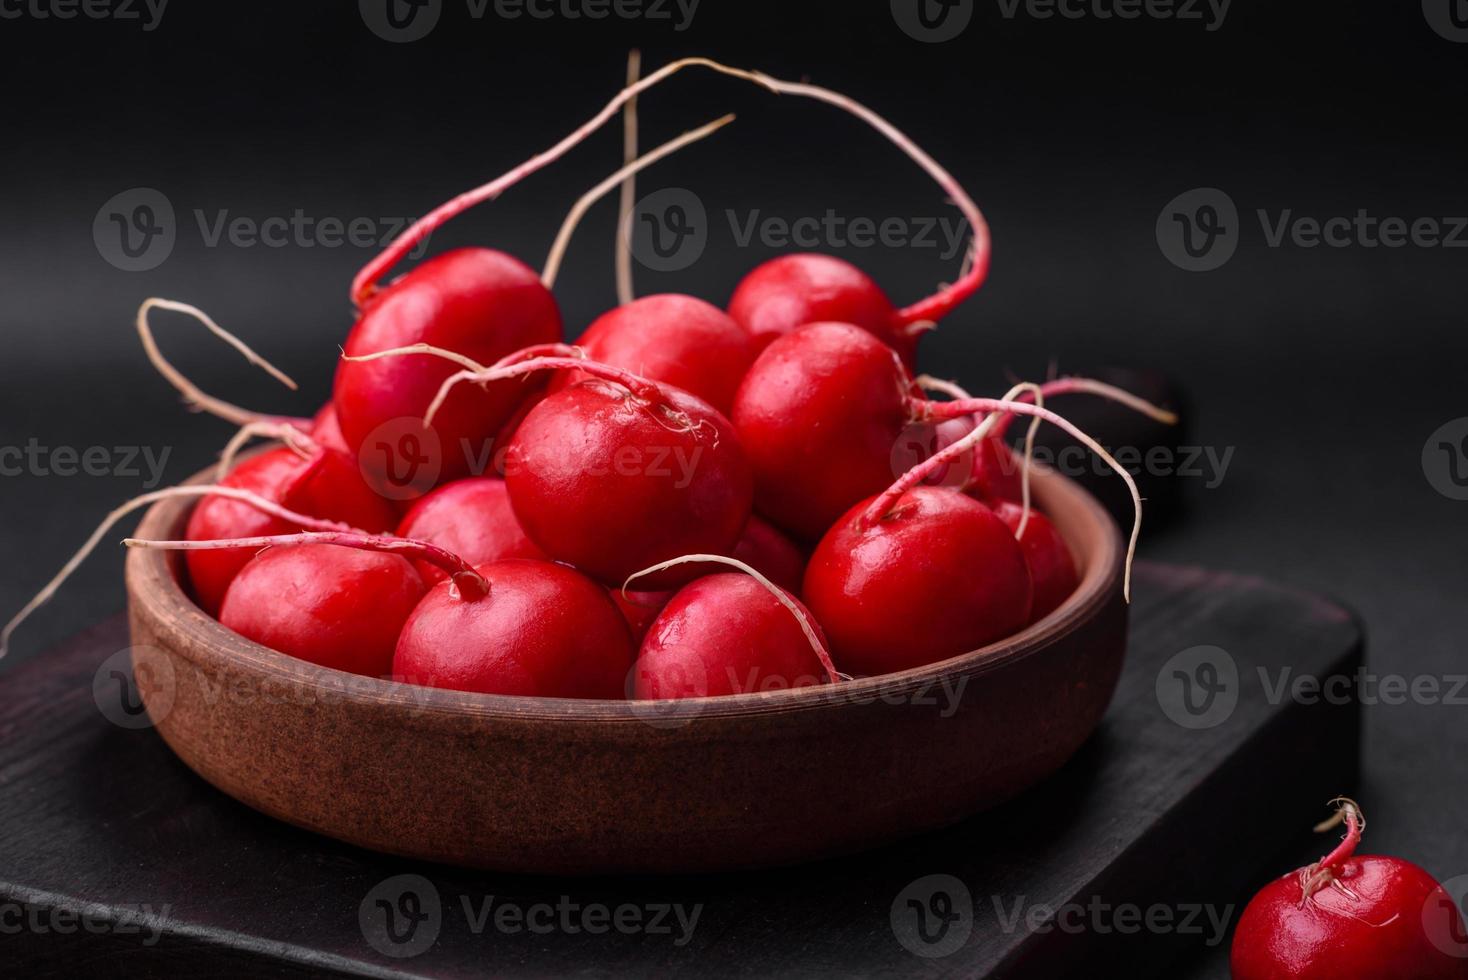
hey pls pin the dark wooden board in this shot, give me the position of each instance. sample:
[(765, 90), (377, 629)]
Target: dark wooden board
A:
[(1151, 816)]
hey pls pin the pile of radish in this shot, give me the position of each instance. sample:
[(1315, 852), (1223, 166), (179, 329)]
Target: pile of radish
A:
[(692, 501)]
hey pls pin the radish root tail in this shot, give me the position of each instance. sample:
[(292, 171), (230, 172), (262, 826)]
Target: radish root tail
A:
[(1323, 872), (197, 398), (365, 282), (255, 500), (627, 200), (295, 440), (470, 584), (510, 367), (579, 209)]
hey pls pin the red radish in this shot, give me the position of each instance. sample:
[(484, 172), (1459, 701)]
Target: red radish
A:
[(905, 582), (1052, 569), (793, 290), (730, 633), (821, 409), (479, 303), (679, 340), (639, 609), (533, 628), (336, 607), (1350, 915), (473, 519), (327, 485), (818, 414), (919, 574), (616, 473), (270, 507)]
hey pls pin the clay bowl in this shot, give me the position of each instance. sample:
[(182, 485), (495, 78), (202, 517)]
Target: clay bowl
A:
[(565, 786)]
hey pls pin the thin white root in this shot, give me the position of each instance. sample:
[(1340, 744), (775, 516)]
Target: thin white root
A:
[(295, 440), (780, 595), (579, 209), (191, 392), (147, 499), (978, 228), (628, 199), (1027, 461), (929, 383), (1093, 387), (1346, 805), (467, 363)]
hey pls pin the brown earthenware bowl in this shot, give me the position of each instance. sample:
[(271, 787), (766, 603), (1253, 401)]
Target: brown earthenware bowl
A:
[(566, 786)]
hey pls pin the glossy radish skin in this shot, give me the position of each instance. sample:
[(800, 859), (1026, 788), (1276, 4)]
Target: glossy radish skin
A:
[(1401, 924), (726, 634), (818, 415), (542, 630), (327, 486), (473, 301), (678, 340), (332, 606), (938, 576), (794, 290), (1052, 568), (473, 519), (612, 483)]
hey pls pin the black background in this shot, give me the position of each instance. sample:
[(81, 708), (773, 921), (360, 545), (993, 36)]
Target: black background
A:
[(1324, 369)]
